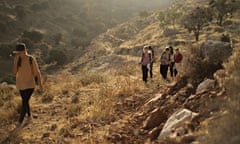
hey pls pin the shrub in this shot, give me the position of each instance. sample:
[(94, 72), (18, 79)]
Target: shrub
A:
[(33, 35), (8, 105), (57, 55), (198, 68), (225, 38), (92, 78), (226, 130)]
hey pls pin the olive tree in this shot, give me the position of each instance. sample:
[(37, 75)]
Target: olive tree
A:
[(196, 20), (223, 9)]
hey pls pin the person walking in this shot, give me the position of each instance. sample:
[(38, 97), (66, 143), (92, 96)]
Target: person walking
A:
[(151, 51), (145, 62), (178, 57), (164, 63), (172, 67), (28, 76)]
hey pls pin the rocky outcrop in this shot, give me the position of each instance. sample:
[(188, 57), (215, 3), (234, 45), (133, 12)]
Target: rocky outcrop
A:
[(215, 51)]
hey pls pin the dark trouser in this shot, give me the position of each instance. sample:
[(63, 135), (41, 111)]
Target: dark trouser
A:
[(173, 70), (26, 95), (163, 71), (151, 68), (144, 73)]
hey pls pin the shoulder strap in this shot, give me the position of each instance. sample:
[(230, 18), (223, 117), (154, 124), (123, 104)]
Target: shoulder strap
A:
[(31, 64)]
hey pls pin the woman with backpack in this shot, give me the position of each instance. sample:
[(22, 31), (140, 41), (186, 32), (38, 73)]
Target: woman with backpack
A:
[(145, 62), (27, 75), (164, 63)]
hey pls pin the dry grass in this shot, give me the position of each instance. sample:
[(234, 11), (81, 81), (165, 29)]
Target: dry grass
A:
[(8, 104), (227, 129)]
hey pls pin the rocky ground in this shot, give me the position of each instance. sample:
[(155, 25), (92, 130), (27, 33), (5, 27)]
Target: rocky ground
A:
[(137, 119)]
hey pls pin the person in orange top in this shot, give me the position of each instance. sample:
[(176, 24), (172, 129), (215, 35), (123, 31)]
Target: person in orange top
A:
[(27, 77)]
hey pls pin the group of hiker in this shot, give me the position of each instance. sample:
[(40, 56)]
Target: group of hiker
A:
[(28, 74), (169, 60)]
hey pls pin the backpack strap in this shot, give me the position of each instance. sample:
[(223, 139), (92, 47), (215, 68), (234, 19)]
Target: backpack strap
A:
[(31, 64)]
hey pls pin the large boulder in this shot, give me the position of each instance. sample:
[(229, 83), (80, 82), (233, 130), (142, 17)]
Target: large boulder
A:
[(176, 122), (215, 51)]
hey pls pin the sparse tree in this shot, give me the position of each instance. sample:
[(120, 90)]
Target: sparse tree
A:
[(223, 9), (196, 20)]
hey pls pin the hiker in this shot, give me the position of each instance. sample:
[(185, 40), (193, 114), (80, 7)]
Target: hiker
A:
[(145, 62), (164, 63), (172, 67), (177, 60), (27, 77), (151, 51)]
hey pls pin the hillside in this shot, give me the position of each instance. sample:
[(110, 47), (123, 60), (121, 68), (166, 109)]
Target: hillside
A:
[(58, 31), (100, 97)]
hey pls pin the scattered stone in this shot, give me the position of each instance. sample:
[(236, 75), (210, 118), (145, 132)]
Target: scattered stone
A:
[(156, 117), (205, 86)]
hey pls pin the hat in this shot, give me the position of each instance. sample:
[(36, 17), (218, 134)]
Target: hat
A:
[(19, 48)]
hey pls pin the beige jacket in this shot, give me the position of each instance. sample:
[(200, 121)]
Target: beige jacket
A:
[(26, 72)]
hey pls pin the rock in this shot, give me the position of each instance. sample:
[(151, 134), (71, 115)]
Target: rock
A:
[(178, 119), (156, 98), (156, 117), (153, 134), (205, 86), (215, 51)]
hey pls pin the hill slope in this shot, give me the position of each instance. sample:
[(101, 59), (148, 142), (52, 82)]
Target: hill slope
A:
[(100, 98)]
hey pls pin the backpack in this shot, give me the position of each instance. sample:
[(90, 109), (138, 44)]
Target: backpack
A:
[(31, 64), (178, 58)]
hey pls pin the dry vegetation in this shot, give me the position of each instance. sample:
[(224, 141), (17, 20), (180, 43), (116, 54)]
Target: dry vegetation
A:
[(225, 130)]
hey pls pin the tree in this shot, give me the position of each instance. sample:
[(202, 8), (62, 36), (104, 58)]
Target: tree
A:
[(196, 20), (223, 9)]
